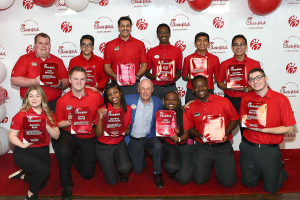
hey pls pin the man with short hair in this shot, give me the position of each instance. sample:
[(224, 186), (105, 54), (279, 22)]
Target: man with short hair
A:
[(143, 132), (201, 44), (26, 71), (78, 149), (157, 54), (123, 50), (87, 58), (260, 152)]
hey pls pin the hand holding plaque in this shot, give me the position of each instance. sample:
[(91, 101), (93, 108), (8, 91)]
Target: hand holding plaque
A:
[(165, 70), (113, 122), (214, 128), (236, 76), (126, 74), (166, 124), (198, 66), (81, 122), (34, 129), (254, 114), (49, 74), (90, 79)]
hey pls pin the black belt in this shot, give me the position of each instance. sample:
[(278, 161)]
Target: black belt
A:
[(259, 145), (137, 138), (216, 144), (166, 85), (107, 144), (180, 145)]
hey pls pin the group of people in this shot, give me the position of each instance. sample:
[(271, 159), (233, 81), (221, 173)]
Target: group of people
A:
[(187, 155)]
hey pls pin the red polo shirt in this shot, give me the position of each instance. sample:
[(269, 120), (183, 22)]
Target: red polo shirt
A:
[(17, 124), (119, 51), (115, 140), (279, 113), (28, 66), (214, 106), (213, 67), (101, 77), (248, 62), (89, 99), (164, 52)]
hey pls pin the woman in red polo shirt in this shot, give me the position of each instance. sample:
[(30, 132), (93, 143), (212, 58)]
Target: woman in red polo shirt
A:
[(178, 153), (112, 150), (34, 159)]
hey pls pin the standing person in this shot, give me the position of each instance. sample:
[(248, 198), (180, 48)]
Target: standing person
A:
[(26, 71), (143, 131), (178, 153), (201, 44), (112, 150), (78, 149), (87, 58), (163, 51), (34, 159), (260, 152), (125, 49), (206, 153)]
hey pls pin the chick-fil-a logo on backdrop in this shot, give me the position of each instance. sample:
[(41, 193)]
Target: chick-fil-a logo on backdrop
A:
[(2, 53), (180, 1), (141, 24), (181, 91), (290, 89), (103, 3), (256, 22), (147, 44), (180, 44), (4, 121), (293, 2), (28, 4), (294, 21), (104, 25), (218, 22), (29, 27), (29, 49), (219, 2), (291, 44), (255, 44), (66, 27), (218, 45), (61, 5), (102, 47), (291, 68), (180, 22), (67, 50), (141, 3)]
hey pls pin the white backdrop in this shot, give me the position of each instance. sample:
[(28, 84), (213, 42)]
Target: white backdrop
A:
[(274, 39)]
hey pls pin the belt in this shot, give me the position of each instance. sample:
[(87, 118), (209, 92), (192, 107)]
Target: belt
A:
[(259, 145), (216, 144), (137, 138), (107, 144), (180, 145), (166, 85)]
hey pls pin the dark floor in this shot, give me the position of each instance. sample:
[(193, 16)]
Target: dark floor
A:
[(282, 196)]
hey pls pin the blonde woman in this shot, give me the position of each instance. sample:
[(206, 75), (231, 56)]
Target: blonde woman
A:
[(34, 159)]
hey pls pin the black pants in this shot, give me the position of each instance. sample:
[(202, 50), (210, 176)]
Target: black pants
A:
[(137, 155), (179, 161), (189, 96), (111, 155), (265, 163), (161, 91), (79, 151), (35, 162), (221, 157), (133, 89)]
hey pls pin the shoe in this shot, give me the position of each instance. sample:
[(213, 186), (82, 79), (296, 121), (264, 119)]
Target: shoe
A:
[(17, 174), (66, 193), (33, 197), (172, 176), (159, 183), (124, 178)]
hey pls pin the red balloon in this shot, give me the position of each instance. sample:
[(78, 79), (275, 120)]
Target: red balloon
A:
[(45, 3), (199, 5), (263, 7)]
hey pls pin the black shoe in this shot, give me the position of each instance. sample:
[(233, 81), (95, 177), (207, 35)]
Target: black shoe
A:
[(124, 178), (172, 176), (33, 197), (66, 193), (159, 183), (16, 175)]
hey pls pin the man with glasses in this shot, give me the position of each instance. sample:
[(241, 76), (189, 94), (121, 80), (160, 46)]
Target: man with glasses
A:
[(260, 152), (158, 54), (123, 50), (87, 59)]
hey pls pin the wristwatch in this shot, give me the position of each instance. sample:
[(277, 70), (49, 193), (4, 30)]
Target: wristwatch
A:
[(179, 140), (246, 90), (61, 84), (137, 76)]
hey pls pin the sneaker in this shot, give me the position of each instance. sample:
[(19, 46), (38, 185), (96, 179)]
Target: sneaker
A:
[(17, 174), (66, 193), (124, 178), (33, 197), (159, 183), (172, 176)]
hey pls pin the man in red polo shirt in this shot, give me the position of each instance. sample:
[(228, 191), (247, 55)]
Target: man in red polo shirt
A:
[(123, 50), (88, 60), (159, 53), (206, 153), (260, 152), (26, 71), (78, 149), (201, 43)]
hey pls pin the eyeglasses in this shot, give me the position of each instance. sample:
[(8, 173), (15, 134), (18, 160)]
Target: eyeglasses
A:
[(87, 45), (241, 45), (163, 32), (258, 78)]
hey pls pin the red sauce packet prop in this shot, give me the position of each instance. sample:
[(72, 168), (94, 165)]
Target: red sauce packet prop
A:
[(198, 66), (255, 114), (49, 73), (166, 124), (126, 74), (90, 80), (214, 128), (81, 122), (113, 122), (236, 76), (165, 70), (34, 129)]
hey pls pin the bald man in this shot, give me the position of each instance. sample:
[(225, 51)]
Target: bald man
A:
[(143, 132)]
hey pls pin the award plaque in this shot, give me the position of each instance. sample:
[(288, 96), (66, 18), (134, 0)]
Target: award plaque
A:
[(165, 70), (254, 114), (214, 128), (81, 122), (198, 66), (113, 122), (236, 76), (126, 74), (90, 79), (166, 124), (49, 74), (34, 129)]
